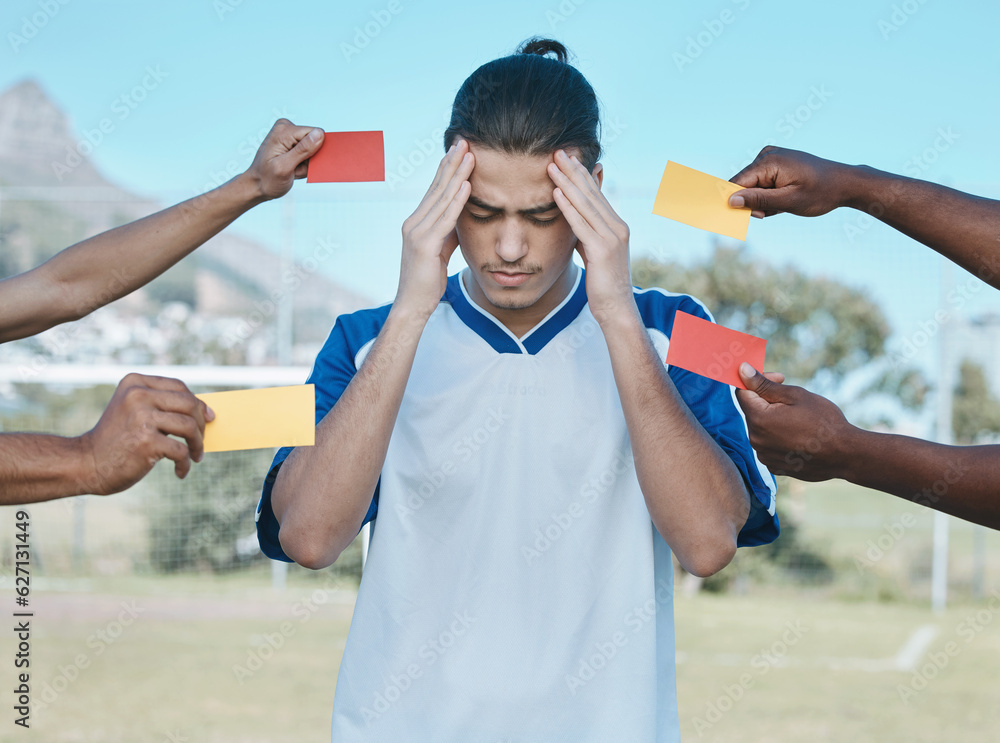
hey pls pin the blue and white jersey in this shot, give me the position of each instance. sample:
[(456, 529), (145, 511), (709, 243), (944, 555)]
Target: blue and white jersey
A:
[(515, 588)]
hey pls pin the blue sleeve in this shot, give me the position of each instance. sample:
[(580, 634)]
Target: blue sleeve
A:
[(714, 405), (333, 371)]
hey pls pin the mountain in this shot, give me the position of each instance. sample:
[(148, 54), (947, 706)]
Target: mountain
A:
[(52, 195)]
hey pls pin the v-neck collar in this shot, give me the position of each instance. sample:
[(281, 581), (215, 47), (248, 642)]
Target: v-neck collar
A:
[(494, 332)]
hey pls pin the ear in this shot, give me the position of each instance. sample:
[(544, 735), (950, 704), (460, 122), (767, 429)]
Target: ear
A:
[(598, 174)]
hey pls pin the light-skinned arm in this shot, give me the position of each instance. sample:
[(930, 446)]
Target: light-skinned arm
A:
[(961, 227), (106, 267), (322, 492), (695, 495)]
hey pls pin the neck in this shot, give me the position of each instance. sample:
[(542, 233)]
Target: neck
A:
[(520, 321)]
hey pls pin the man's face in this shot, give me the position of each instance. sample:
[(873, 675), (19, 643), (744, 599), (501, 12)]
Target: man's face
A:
[(515, 239)]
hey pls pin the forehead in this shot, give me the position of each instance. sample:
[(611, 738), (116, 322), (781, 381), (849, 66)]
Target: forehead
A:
[(510, 181)]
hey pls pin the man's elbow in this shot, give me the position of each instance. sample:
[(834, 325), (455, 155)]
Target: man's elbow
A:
[(709, 558), (310, 550)]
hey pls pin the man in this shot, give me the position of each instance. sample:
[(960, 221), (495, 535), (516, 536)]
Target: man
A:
[(532, 461), (806, 436), (145, 412)]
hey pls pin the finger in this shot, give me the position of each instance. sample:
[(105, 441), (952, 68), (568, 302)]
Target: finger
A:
[(177, 452), (445, 202), (757, 173), (449, 218), (775, 376), (590, 218), (760, 385), (171, 401), (580, 226), (286, 134), (446, 169), (185, 427), (768, 201), (306, 147), (581, 189)]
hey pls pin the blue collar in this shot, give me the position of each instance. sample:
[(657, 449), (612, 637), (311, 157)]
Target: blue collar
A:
[(494, 332)]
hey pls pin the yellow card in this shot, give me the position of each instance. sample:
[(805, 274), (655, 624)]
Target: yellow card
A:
[(261, 419), (700, 200)]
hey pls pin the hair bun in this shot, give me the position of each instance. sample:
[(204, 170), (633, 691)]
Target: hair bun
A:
[(543, 47)]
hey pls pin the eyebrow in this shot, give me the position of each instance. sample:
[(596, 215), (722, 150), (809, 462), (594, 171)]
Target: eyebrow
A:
[(540, 209)]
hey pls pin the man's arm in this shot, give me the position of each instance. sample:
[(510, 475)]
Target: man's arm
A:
[(963, 228), (103, 268), (798, 433), (322, 493), (695, 495), (134, 433)]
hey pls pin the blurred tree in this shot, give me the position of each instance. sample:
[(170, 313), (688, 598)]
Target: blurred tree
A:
[(975, 411)]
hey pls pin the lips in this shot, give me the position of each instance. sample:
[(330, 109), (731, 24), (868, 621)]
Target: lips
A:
[(509, 279)]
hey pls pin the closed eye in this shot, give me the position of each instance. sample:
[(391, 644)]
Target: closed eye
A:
[(542, 222)]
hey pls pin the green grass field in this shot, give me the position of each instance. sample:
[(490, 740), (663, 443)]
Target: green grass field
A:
[(227, 661), (122, 654)]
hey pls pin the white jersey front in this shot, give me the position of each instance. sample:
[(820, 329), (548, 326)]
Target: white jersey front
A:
[(516, 588)]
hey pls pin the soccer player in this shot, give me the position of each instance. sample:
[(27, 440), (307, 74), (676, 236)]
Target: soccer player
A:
[(803, 435), (526, 458), (145, 412)]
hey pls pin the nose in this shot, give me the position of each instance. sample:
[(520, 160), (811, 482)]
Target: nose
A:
[(512, 242)]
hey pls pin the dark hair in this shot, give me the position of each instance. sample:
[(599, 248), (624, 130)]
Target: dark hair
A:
[(528, 103)]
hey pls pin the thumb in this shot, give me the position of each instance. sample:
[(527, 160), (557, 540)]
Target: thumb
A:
[(766, 200), (304, 149), (768, 390)]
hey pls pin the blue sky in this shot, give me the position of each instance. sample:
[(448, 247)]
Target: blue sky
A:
[(903, 86)]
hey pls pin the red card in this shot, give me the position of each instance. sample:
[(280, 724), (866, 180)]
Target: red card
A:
[(348, 157), (713, 351)]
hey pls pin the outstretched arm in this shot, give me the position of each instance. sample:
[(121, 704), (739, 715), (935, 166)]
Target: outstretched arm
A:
[(803, 435), (961, 227), (136, 430), (695, 495), (103, 268)]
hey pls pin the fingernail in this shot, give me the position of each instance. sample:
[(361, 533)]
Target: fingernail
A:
[(736, 201), (747, 371), (316, 135), (209, 414)]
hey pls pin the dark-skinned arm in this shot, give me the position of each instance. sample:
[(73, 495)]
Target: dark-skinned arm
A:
[(963, 228)]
